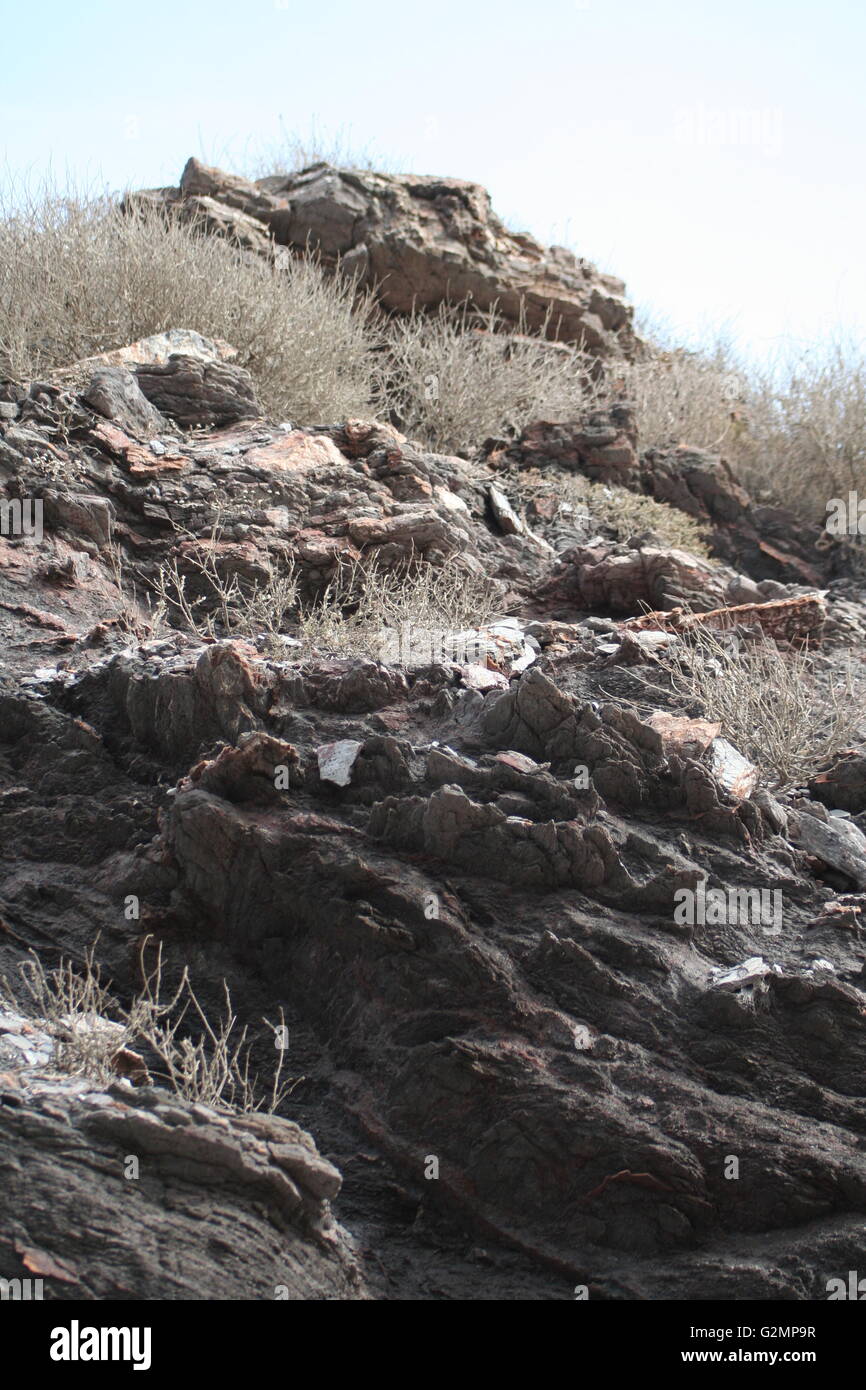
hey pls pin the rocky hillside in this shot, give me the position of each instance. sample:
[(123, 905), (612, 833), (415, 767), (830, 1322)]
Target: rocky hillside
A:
[(458, 862)]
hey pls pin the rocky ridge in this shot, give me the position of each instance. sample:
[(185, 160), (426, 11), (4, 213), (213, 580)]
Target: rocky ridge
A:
[(475, 944), (416, 241)]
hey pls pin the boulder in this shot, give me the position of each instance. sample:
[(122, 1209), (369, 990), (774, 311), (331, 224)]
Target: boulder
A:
[(602, 446), (115, 393), (198, 393), (843, 784)]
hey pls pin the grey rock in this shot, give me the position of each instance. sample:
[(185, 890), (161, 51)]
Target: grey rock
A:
[(199, 393), (114, 392)]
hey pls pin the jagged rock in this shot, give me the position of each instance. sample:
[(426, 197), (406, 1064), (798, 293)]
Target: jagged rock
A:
[(197, 393), (836, 841), (221, 219), (633, 580), (152, 351), (731, 770), (768, 542), (749, 972), (603, 446), (473, 939), (506, 518), (336, 760), (795, 620), (420, 241), (115, 393), (697, 482), (204, 1184)]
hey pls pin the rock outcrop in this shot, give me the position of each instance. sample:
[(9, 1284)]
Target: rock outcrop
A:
[(128, 1192), (417, 241), (461, 879)]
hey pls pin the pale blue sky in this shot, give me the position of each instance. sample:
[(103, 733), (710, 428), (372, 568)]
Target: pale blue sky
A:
[(712, 155)]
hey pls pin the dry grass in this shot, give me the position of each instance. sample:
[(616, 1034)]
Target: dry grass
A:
[(807, 426), (365, 608), (219, 602), (291, 152), (78, 277), (455, 378), (794, 430), (631, 514), (771, 703), (686, 397), (358, 612), (207, 1062), (626, 513)]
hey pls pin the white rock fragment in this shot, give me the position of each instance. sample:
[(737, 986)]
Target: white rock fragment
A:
[(506, 517), (479, 678), (736, 774), (336, 760), (748, 972), (449, 500)]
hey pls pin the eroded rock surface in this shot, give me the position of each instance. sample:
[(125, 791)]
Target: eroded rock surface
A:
[(128, 1192), (418, 241), (460, 881)]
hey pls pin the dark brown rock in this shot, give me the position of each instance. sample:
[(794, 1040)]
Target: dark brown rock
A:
[(418, 241), (843, 784), (197, 394)]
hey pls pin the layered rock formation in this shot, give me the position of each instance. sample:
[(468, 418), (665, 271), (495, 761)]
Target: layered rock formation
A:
[(459, 879), (417, 241)]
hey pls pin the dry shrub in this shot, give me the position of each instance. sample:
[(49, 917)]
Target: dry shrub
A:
[(793, 430), (209, 1062), (454, 378), (366, 604), (224, 603), (626, 513), (291, 152), (807, 427), (773, 705), (686, 397), (78, 277), (632, 514)]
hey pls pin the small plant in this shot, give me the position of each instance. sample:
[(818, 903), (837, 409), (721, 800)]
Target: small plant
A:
[(208, 1062), (291, 153), (366, 604), (624, 512), (362, 606), (771, 703), (808, 426), (683, 396), (793, 429), (631, 513), (225, 603)]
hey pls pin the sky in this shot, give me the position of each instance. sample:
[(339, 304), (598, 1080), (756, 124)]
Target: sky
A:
[(709, 154)]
